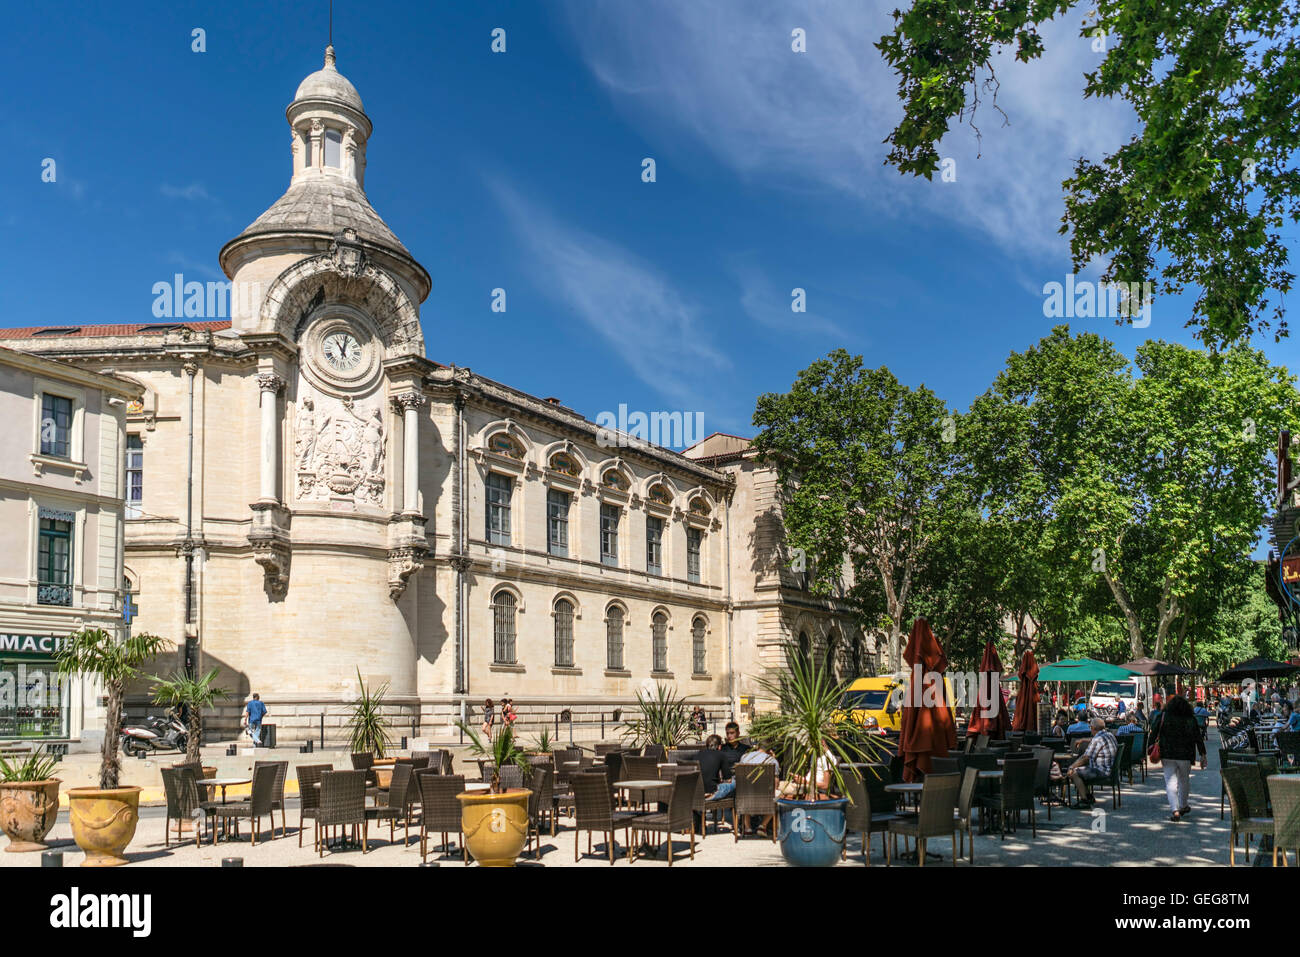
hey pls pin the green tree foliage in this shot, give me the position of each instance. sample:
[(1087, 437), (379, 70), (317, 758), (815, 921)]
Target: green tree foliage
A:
[(1207, 182)]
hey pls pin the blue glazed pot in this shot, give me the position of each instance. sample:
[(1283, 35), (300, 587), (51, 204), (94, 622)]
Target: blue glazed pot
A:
[(811, 832)]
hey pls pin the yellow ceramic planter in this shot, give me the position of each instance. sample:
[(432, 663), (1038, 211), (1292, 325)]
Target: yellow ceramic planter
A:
[(103, 822), (27, 812), (495, 825)]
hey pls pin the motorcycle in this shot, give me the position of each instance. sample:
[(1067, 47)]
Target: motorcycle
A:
[(154, 734)]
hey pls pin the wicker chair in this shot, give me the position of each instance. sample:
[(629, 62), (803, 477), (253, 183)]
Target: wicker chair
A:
[(944, 766), (540, 803), (858, 815), (362, 761), (962, 815), (1015, 795), (1288, 747), (401, 795), (594, 811), (277, 792), (1253, 782), (755, 795), (182, 792), (512, 776), (342, 803), (656, 751), (1284, 792), (1137, 754), (1235, 778), (309, 776), (441, 810), (255, 808), (677, 818), (936, 818)]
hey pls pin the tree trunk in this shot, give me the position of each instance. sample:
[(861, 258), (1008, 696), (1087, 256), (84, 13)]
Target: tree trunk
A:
[(1126, 606), (196, 733), (109, 762)]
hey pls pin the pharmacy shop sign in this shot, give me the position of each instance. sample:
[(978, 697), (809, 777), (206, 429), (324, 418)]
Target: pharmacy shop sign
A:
[(29, 647)]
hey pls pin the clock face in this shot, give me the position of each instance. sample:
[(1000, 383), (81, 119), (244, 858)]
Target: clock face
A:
[(342, 351)]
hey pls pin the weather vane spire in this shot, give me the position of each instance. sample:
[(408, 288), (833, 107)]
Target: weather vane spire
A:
[(331, 37)]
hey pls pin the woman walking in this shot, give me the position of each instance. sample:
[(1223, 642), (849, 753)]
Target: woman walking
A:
[(1179, 738), (489, 718)]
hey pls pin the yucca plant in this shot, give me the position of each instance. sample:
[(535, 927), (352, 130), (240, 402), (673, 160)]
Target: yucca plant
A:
[(500, 751), (37, 766), (367, 729), (664, 719), (542, 743), (194, 694), (809, 722), (95, 653)]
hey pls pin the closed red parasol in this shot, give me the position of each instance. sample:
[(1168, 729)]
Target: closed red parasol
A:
[(1026, 718), (928, 728), (989, 716)]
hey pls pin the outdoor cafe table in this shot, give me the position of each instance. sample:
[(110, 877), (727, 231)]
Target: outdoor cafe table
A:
[(224, 783), (642, 787)]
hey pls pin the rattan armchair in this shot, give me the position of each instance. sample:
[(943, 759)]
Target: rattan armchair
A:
[(677, 818), (254, 809), (1237, 779), (935, 819), (441, 812)]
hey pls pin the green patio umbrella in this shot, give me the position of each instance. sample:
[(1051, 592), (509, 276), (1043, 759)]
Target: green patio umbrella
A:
[(1082, 669)]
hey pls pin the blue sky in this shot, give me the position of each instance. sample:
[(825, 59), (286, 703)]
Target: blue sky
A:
[(522, 171)]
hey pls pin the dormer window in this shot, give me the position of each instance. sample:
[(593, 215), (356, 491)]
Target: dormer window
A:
[(334, 149)]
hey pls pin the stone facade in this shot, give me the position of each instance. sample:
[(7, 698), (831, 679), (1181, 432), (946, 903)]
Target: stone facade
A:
[(341, 505)]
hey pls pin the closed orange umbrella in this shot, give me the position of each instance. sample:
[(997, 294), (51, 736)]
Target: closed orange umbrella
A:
[(989, 715), (1026, 718), (928, 728)]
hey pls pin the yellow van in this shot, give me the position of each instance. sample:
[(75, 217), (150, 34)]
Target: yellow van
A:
[(878, 702)]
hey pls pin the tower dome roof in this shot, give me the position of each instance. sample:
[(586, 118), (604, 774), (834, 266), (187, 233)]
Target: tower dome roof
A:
[(328, 83)]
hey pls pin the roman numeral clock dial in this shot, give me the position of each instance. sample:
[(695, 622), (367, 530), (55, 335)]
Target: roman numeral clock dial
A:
[(342, 351)]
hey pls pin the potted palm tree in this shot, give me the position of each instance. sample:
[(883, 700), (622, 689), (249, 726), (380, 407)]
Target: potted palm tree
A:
[(814, 735), (29, 800), (192, 695), (367, 729), (663, 718), (104, 818), (495, 822)]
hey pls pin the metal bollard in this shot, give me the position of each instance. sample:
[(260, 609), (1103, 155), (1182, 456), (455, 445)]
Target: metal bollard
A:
[(322, 730), (51, 858), (232, 862)]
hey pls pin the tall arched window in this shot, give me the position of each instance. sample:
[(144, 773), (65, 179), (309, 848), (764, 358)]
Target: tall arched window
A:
[(614, 638), (659, 642), (503, 628), (699, 662), (805, 647), (564, 633)]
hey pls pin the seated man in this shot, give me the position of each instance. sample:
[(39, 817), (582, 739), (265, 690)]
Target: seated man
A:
[(1292, 716), (1128, 725), (1095, 763), (733, 749), (711, 761), (1080, 726)]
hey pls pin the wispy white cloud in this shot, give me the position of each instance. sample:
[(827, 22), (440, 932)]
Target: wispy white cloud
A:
[(635, 311), (722, 76), (770, 306), (192, 192)]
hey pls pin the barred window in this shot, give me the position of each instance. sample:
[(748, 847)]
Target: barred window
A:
[(498, 488), (698, 660), (614, 638), (659, 642), (503, 628), (564, 633), (694, 539)]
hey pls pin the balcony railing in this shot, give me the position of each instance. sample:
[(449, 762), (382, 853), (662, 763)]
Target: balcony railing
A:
[(54, 594)]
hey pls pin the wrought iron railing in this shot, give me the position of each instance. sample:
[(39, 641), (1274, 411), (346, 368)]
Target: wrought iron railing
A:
[(54, 594)]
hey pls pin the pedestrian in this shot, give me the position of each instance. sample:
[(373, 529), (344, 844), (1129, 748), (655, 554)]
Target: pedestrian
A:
[(489, 718), (1179, 739), (254, 712), (508, 713)]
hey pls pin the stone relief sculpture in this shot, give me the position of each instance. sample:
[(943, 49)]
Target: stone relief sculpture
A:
[(339, 447)]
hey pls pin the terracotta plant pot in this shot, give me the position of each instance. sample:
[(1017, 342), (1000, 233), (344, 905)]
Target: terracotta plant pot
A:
[(103, 822), (27, 812), (495, 825)]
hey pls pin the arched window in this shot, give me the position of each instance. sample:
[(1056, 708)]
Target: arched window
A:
[(805, 647), (659, 642), (334, 149), (699, 662), (503, 628), (614, 638), (564, 633)]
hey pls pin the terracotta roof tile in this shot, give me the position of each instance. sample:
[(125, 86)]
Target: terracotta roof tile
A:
[(127, 329)]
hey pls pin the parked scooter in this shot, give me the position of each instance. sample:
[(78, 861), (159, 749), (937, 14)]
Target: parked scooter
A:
[(154, 734)]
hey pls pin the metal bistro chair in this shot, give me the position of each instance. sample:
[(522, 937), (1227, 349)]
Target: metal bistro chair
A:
[(1243, 821), (342, 803), (677, 818), (936, 817), (1284, 791), (255, 808), (594, 811), (441, 810), (277, 792), (309, 776)]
